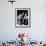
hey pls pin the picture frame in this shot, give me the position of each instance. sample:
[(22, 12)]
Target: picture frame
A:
[(23, 17)]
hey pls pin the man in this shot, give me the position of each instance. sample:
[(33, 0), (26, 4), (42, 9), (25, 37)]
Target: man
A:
[(25, 19), (20, 18)]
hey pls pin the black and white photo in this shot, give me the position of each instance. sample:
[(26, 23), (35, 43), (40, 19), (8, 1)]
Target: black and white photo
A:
[(22, 17)]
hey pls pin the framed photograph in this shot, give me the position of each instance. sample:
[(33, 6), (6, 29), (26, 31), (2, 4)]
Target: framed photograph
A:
[(23, 17)]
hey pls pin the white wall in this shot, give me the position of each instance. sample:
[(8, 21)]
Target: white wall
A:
[(8, 31)]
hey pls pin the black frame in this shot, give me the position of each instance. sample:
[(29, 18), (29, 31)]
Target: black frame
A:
[(29, 19)]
